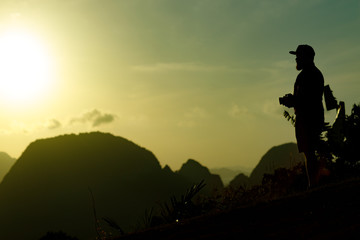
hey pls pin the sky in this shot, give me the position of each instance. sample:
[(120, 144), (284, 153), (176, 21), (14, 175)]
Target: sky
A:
[(195, 79)]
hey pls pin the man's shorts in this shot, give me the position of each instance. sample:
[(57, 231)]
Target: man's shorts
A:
[(307, 135)]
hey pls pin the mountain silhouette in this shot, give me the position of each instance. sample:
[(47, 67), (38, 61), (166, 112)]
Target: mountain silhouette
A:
[(241, 180), (5, 164), (227, 174), (47, 189), (195, 172), (283, 156)]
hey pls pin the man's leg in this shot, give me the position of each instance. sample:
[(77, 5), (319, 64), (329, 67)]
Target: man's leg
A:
[(312, 168)]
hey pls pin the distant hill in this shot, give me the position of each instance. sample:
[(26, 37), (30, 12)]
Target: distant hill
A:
[(47, 189), (5, 164), (226, 174), (195, 172), (241, 180), (282, 156)]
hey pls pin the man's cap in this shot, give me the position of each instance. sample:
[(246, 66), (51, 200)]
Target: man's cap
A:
[(304, 50)]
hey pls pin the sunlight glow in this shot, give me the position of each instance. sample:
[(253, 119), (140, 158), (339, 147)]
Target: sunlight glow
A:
[(26, 71)]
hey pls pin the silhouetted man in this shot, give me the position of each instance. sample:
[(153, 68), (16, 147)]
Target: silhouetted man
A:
[(307, 103)]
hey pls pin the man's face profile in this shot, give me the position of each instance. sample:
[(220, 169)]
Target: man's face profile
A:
[(299, 63), (303, 60)]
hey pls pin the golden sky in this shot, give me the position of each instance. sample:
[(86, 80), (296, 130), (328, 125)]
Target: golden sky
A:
[(185, 79)]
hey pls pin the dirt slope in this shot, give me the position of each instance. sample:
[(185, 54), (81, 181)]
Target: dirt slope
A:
[(330, 212)]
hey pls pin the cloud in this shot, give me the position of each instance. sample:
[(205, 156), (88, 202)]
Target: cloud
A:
[(21, 127), (95, 118), (183, 66), (5, 132), (192, 117), (103, 119), (52, 124), (273, 108), (238, 112), (18, 127)]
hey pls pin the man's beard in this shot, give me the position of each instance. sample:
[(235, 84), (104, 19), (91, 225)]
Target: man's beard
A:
[(299, 67)]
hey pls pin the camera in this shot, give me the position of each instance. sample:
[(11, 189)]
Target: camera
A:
[(287, 100)]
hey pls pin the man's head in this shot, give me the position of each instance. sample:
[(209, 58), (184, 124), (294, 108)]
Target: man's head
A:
[(304, 56)]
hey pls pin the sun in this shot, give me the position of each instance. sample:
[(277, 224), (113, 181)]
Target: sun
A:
[(26, 70)]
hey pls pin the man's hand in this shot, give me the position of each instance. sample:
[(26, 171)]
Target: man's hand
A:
[(287, 100)]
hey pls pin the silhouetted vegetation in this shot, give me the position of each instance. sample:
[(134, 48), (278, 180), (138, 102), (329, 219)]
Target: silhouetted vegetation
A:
[(340, 145), (281, 183), (60, 235), (182, 208), (179, 209)]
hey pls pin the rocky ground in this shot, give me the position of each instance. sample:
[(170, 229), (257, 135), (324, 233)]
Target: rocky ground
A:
[(328, 212)]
